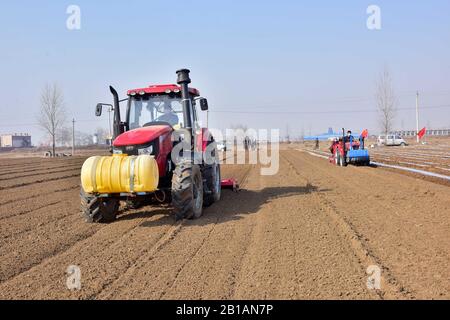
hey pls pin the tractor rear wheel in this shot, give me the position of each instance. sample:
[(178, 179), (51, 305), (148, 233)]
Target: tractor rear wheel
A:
[(211, 187), (187, 191), (98, 210)]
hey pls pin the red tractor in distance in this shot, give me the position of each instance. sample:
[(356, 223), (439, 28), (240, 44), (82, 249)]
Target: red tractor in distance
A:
[(349, 149), (144, 166)]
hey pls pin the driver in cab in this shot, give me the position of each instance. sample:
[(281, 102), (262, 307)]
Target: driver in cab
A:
[(168, 115)]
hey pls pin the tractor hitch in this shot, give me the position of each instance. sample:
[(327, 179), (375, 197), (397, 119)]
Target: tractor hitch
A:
[(230, 184)]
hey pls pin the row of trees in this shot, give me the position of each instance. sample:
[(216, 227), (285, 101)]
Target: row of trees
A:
[(64, 137)]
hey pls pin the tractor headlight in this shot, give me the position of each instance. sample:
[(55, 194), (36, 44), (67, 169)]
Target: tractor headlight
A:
[(144, 151)]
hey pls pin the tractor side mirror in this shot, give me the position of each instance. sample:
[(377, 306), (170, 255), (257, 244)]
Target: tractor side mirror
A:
[(98, 109), (203, 104)]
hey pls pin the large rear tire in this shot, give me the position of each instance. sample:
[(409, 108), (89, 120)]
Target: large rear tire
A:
[(187, 191), (212, 184), (98, 210), (343, 162)]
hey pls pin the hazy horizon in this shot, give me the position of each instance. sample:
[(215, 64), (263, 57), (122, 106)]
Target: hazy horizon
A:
[(302, 66)]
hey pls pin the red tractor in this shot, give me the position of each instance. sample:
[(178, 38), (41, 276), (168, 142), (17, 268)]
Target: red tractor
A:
[(349, 149), (160, 155)]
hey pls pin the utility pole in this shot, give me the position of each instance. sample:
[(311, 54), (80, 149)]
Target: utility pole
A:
[(417, 116), (73, 137), (207, 119)]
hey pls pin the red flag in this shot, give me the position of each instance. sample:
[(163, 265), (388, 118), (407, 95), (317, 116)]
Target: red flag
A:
[(421, 133), (365, 134)]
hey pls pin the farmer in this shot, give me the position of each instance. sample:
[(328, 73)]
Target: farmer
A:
[(317, 144), (335, 141), (348, 138), (168, 116)]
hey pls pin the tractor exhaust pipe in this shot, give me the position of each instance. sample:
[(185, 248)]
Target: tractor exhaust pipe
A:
[(184, 80), (343, 142), (117, 126)]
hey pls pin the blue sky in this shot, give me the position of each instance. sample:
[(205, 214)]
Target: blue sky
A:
[(264, 64)]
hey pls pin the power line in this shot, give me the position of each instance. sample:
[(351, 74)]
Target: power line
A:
[(349, 99), (318, 112)]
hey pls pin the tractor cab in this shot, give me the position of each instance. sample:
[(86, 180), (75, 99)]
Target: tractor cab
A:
[(159, 105), (172, 106)]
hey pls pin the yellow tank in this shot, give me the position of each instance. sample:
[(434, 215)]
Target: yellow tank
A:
[(120, 174)]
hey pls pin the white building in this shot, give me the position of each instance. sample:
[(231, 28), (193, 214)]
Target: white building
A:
[(17, 140)]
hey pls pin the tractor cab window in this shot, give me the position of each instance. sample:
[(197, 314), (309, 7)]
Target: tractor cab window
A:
[(145, 110), (195, 119)]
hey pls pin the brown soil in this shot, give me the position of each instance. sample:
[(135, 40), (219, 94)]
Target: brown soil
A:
[(309, 232)]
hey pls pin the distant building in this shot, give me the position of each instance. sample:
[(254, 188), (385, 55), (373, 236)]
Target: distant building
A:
[(17, 140), (413, 133)]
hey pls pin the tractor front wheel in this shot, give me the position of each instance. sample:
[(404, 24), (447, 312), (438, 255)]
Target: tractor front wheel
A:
[(187, 191), (340, 160), (337, 157), (344, 162), (98, 210)]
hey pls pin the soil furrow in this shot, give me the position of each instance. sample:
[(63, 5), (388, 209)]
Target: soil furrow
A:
[(36, 182)]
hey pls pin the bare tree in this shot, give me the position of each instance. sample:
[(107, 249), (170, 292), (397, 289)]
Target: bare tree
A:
[(386, 101), (52, 113)]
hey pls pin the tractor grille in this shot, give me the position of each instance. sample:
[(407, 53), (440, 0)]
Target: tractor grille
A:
[(133, 150)]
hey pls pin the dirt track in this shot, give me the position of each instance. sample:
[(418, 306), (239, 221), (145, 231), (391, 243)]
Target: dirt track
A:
[(309, 232)]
